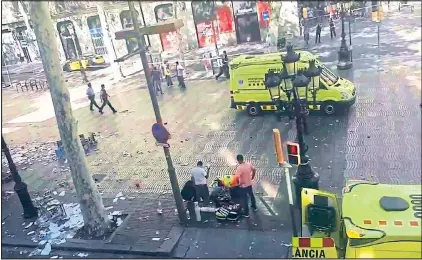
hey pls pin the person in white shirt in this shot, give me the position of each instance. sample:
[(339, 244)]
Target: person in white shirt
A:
[(180, 75), (91, 96), (199, 178)]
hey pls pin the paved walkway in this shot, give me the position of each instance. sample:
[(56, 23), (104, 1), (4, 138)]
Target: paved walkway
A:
[(203, 127)]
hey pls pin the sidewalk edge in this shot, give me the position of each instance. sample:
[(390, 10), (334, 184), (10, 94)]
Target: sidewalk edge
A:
[(165, 249)]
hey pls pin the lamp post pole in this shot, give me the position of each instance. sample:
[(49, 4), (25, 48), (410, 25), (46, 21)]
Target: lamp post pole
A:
[(172, 172), (344, 62), (21, 189), (350, 34), (305, 177)]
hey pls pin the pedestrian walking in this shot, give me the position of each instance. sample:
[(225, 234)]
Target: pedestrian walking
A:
[(246, 173), (104, 98), (180, 75), (318, 33), (225, 67), (156, 80), (199, 178), (91, 96), (302, 25), (306, 35), (167, 73), (332, 28)]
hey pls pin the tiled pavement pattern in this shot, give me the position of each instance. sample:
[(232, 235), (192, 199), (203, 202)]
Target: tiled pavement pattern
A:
[(203, 126)]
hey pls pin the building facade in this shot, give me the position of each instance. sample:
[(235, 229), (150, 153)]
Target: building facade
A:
[(80, 30)]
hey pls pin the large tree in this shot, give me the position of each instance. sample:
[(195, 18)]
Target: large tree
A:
[(95, 218)]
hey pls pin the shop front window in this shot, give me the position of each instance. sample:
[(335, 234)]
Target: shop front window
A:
[(203, 13), (162, 13), (126, 20), (69, 40), (96, 33)]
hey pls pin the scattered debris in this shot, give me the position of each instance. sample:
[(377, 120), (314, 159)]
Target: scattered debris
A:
[(62, 193), (30, 224), (82, 254), (155, 239), (46, 250), (116, 213)]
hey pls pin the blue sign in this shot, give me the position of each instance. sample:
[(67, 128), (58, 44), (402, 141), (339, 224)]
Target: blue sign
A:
[(160, 133), (265, 15)]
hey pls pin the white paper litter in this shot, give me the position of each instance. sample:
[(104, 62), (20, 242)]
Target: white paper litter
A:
[(119, 222), (53, 233), (62, 193), (54, 192), (108, 208), (116, 213), (120, 194), (30, 224), (82, 254), (156, 239), (46, 250)]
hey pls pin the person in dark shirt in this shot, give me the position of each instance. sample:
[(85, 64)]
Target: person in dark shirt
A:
[(156, 80), (225, 68), (318, 33), (104, 98), (332, 28)]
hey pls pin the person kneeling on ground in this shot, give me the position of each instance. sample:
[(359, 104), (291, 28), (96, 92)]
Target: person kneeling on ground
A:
[(199, 178)]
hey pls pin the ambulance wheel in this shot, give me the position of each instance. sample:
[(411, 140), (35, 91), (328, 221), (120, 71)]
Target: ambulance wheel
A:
[(253, 109), (329, 108)]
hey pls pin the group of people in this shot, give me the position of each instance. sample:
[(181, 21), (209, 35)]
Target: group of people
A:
[(157, 78), (318, 31), (104, 96), (245, 173)]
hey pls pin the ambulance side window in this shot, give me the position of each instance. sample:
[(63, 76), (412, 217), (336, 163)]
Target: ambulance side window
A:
[(321, 85)]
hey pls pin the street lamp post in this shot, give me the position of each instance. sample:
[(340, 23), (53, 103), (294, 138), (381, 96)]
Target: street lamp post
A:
[(21, 189), (171, 170), (295, 84), (350, 34), (313, 73), (344, 62)]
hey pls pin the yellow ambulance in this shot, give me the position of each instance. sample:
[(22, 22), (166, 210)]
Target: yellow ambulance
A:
[(249, 93), (375, 221)]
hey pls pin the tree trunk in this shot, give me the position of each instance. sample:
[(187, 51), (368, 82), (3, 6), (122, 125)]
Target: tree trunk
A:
[(95, 218)]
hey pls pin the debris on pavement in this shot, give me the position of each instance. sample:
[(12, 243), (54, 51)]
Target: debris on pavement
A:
[(30, 224), (49, 231), (82, 254), (46, 250)]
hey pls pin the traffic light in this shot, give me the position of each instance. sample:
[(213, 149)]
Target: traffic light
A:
[(293, 153)]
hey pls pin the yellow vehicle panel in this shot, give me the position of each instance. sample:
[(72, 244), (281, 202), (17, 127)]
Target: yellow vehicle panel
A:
[(248, 76), (305, 247), (387, 250), (377, 220), (74, 65), (392, 223)]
